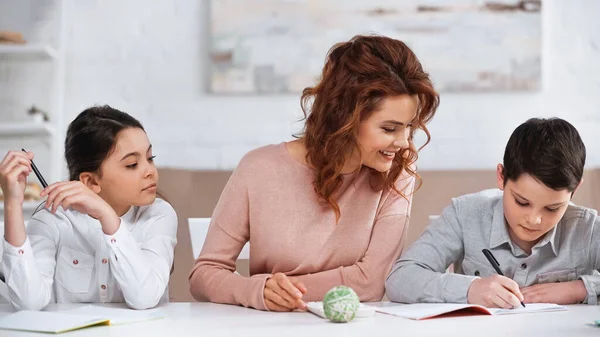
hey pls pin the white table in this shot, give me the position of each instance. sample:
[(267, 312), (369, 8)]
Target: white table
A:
[(207, 319)]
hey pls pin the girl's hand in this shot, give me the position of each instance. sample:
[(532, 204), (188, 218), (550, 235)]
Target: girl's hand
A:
[(79, 197), (14, 170)]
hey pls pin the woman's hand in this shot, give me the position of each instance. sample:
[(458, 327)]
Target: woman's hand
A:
[(284, 293)]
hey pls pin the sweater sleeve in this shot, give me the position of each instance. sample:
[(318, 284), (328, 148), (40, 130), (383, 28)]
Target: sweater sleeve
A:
[(213, 276)]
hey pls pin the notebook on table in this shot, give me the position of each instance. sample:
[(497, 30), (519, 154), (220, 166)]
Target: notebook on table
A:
[(431, 310), (49, 321), (68, 320)]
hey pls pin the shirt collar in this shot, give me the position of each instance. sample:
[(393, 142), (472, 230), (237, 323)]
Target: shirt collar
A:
[(552, 237), (130, 215), (499, 234)]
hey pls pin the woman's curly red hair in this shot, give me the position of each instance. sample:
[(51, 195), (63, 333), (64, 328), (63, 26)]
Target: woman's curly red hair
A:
[(358, 75)]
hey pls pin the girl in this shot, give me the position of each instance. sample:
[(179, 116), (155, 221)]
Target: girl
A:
[(103, 236), (332, 207)]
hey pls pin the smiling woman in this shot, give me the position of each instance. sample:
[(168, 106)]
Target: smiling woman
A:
[(366, 82), (107, 212), (332, 207)]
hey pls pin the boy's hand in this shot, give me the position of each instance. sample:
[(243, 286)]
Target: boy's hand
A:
[(495, 292), (560, 293)]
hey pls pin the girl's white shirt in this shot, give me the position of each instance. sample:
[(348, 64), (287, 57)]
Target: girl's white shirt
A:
[(67, 258)]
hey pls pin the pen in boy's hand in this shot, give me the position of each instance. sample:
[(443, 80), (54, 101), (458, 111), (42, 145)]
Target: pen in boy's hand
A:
[(490, 257)]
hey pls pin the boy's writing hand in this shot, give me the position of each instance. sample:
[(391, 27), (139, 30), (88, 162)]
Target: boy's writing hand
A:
[(560, 293), (495, 291)]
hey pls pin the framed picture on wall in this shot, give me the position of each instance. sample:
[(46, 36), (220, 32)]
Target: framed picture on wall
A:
[(279, 46)]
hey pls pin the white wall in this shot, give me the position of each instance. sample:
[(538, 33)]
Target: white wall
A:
[(149, 58)]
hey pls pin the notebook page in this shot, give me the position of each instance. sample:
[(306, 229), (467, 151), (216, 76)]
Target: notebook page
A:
[(529, 308), (48, 321), (426, 310)]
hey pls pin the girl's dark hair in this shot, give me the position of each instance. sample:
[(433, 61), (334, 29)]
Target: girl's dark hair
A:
[(92, 136), (357, 77)]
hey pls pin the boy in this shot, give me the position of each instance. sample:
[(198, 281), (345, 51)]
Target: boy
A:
[(548, 248)]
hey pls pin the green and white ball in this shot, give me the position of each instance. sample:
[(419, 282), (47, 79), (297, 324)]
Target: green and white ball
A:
[(340, 304)]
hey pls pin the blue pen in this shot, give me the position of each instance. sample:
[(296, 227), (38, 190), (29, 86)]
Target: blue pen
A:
[(495, 264)]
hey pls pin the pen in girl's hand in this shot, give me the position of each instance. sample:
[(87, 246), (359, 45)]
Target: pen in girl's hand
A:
[(37, 173)]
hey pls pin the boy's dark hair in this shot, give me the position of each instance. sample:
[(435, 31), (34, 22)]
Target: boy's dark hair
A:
[(550, 150)]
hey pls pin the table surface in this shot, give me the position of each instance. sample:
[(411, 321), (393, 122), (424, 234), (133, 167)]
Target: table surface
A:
[(209, 319)]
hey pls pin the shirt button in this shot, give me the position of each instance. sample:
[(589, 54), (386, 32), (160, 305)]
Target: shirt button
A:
[(113, 240), (104, 261), (103, 287), (476, 273), (21, 252), (523, 265), (75, 262)]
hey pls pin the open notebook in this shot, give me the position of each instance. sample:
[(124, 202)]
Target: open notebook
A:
[(430, 310), (362, 312), (62, 321), (49, 321)]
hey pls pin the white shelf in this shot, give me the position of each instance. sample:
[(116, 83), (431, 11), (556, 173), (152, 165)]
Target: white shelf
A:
[(26, 129), (28, 206), (25, 52)]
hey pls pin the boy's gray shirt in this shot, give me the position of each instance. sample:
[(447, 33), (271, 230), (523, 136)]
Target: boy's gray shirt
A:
[(570, 251)]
